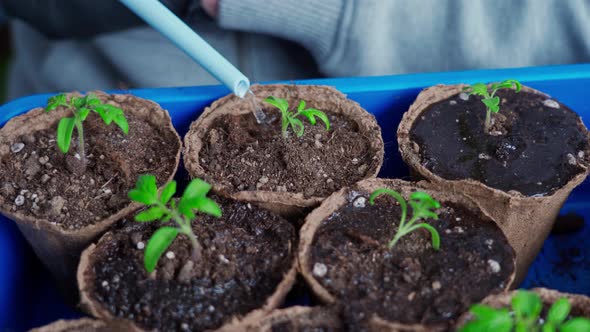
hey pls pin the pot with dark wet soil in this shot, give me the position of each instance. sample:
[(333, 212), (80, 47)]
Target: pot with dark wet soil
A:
[(345, 257), (60, 210), (519, 171), (245, 270), (257, 163), (579, 308)]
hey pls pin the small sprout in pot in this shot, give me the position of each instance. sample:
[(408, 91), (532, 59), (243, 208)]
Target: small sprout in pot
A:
[(490, 100), (290, 118), (422, 205), (81, 108), (163, 208), (525, 316)]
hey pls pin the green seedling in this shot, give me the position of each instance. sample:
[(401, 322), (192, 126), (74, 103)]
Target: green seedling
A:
[(290, 118), (489, 98), (162, 207), (422, 205), (525, 316), (81, 108)]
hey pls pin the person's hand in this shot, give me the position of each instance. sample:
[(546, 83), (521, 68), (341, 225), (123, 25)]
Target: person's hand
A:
[(211, 7)]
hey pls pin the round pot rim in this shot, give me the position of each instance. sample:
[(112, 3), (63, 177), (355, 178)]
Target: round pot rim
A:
[(314, 220), (95, 309), (264, 323), (439, 93), (193, 142), (44, 223)]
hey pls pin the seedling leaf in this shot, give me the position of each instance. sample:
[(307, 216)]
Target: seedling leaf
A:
[(156, 246), (312, 113), (83, 114), (291, 118), (279, 103), (121, 121), (141, 197), (421, 204), (559, 311), (527, 307), (196, 188), (433, 233), (489, 320), (168, 192), (297, 126), (576, 325), (193, 199), (81, 108), (493, 104), (65, 129), (151, 214), (489, 98), (208, 206), (526, 304)]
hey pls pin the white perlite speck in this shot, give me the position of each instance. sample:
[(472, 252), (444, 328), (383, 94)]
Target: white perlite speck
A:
[(140, 245), (571, 159), (19, 200), (360, 202), (105, 283), (17, 147), (184, 326), (223, 259), (320, 270), (170, 255), (494, 266), (464, 96), (484, 156), (453, 102), (551, 103)]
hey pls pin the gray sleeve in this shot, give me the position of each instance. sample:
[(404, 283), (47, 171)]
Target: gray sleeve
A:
[(378, 37)]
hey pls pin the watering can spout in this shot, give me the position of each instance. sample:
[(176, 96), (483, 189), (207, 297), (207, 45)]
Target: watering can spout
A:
[(173, 28)]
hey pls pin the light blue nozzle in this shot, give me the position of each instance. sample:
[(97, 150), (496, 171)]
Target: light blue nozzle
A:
[(173, 28)]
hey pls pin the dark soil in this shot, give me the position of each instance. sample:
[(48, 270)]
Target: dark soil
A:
[(42, 182), (411, 283), (246, 253), (247, 156), (533, 149)]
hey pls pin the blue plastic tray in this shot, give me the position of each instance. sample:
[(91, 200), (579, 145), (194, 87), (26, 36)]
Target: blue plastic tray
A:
[(29, 299)]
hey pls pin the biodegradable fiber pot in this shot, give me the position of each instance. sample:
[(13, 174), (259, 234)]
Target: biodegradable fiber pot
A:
[(580, 303), (246, 268), (85, 325), (253, 162), (60, 213), (293, 319), (520, 174), (343, 255)]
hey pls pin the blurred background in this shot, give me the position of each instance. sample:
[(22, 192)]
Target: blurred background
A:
[(4, 55), (86, 45)]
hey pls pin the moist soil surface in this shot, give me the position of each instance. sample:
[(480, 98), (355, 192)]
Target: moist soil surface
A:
[(244, 155), (42, 182), (533, 148), (410, 283), (245, 255)]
